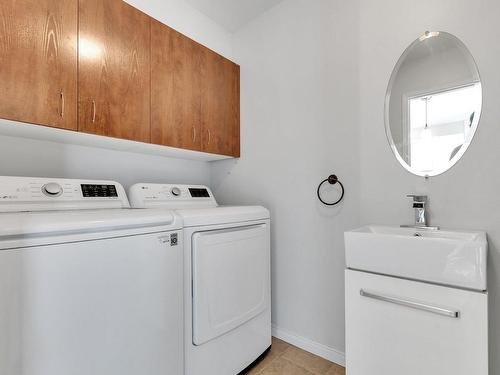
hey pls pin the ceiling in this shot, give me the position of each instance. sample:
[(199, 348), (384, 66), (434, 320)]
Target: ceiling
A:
[(233, 14)]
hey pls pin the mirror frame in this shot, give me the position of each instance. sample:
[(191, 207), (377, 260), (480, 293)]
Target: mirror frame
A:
[(390, 85)]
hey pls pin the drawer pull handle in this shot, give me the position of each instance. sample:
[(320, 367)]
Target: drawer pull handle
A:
[(412, 304)]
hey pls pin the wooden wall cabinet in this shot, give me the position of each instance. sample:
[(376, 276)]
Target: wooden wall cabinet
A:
[(195, 95), (38, 61), (220, 105), (104, 67), (114, 70), (176, 63)]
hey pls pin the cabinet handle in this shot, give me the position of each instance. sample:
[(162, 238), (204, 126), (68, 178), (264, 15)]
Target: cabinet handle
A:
[(93, 111), (209, 136), (62, 104), (194, 134), (412, 304)]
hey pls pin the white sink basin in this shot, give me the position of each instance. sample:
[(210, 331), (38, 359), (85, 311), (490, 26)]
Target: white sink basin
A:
[(445, 257)]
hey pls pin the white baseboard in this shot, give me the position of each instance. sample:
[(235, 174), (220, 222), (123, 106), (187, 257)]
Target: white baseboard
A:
[(310, 346)]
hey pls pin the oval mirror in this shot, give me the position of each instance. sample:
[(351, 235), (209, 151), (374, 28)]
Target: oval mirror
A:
[(433, 104)]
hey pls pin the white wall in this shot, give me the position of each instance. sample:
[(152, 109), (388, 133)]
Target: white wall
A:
[(299, 124), (24, 157), (466, 196), (27, 157)]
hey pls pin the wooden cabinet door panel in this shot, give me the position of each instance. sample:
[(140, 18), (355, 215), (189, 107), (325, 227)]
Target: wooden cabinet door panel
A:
[(114, 70), (38, 61), (175, 88), (220, 105), (233, 113)]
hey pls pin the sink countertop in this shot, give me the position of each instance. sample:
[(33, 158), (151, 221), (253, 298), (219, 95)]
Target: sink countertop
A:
[(447, 257)]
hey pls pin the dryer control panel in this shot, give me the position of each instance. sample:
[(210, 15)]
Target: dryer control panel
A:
[(45, 194), (171, 196)]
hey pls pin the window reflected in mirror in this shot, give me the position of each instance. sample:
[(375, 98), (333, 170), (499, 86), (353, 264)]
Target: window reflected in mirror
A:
[(439, 124)]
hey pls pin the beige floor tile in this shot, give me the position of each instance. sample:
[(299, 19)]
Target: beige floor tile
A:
[(285, 359), (281, 366), (335, 370), (277, 349), (252, 371), (279, 346), (310, 362)]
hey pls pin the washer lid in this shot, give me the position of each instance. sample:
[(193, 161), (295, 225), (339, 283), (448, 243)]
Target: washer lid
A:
[(222, 215), (24, 224)]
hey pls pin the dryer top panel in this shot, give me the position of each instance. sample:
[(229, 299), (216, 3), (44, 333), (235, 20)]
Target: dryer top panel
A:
[(171, 196), (194, 203), (223, 215)]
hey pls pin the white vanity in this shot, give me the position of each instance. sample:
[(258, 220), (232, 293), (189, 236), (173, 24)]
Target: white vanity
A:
[(416, 302)]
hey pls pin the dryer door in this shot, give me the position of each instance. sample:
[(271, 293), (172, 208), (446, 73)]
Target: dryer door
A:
[(231, 279)]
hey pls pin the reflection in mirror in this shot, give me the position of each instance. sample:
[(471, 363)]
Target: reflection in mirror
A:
[(433, 104)]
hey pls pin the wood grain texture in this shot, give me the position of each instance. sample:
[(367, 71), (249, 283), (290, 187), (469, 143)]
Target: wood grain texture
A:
[(38, 62), (220, 105), (176, 77), (234, 113), (87, 65), (114, 70)]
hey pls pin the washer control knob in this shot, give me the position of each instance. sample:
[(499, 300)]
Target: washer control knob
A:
[(176, 191), (52, 189)]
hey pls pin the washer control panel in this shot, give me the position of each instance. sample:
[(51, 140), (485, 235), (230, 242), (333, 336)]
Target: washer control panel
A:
[(171, 196), (40, 194)]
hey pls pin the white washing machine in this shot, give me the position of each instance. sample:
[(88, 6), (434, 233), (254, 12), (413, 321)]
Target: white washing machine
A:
[(226, 277), (87, 286)]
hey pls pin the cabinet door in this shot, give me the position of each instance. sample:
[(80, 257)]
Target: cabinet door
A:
[(38, 61), (396, 326), (175, 88), (114, 70), (220, 105)]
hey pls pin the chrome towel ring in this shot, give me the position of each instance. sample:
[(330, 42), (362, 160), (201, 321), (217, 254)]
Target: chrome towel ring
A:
[(332, 180)]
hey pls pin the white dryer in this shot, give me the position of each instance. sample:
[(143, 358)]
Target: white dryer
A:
[(226, 277), (87, 286)]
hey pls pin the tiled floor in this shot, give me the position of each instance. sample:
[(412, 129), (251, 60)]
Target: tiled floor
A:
[(285, 359)]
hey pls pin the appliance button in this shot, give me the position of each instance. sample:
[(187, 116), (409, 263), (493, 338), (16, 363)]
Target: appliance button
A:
[(176, 191), (52, 189)]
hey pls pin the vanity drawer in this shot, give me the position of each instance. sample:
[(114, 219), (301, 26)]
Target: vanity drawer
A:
[(396, 326)]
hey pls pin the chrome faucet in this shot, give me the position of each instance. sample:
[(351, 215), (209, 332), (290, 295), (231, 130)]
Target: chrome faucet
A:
[(418, 204)]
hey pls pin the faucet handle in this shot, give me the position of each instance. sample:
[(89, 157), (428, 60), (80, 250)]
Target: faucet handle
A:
[(418, 198)]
